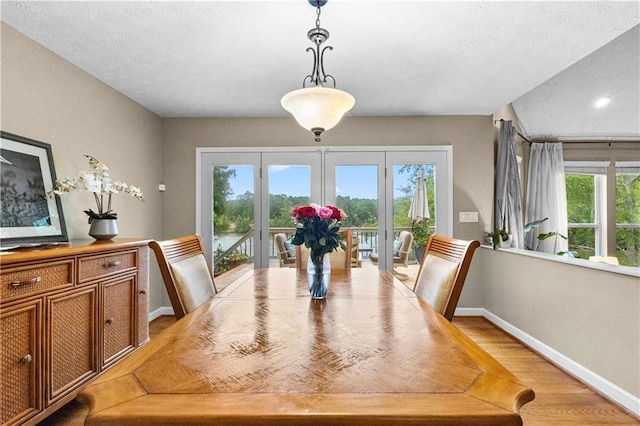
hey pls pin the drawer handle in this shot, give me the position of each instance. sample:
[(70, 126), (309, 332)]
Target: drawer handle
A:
[(112, 264), (20, 283), (26, 359), (109, 320), (143, 291)]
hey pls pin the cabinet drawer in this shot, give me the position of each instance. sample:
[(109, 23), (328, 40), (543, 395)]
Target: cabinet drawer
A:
[(93, 267), (23, 281)]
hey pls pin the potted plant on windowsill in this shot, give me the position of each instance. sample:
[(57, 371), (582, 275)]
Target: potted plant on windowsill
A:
[(499, 238)]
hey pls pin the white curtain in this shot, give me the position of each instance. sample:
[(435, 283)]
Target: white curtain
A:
[(508, 194), (547, 197)]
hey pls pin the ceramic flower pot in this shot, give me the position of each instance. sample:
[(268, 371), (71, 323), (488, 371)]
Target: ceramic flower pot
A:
[(103, 229)]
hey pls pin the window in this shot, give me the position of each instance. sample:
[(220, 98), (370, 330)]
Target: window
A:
[(599, 228), (586, 207), (628, 213)]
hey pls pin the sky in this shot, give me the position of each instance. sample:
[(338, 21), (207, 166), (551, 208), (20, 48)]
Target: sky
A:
[(353, 181)]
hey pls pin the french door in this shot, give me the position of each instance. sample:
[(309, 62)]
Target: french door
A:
[(245, 195), (354, 179)]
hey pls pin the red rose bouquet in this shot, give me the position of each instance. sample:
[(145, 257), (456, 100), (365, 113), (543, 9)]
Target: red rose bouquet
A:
[(317, 228)]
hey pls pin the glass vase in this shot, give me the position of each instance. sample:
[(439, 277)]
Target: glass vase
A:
[(318, 276)]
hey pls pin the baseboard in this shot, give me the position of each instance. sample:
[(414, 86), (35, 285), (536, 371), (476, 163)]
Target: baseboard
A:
[(600, 384), (469, 312), (163, 310)]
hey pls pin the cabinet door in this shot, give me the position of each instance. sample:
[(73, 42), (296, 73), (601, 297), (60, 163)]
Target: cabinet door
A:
[(20, 378), (72, 344), (143, 295), (119, 324)]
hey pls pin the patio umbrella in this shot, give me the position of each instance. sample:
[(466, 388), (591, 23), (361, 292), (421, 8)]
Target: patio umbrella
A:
[(419, 209)]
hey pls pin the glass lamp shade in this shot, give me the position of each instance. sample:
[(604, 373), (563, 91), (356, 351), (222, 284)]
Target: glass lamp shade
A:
[(317, 107)]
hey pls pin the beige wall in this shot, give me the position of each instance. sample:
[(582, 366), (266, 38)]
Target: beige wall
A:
[(46, 98), (588, 315), (470, 136)]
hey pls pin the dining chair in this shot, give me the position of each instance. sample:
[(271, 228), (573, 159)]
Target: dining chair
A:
[(442, 273), (185, 271), (340, 259), (286, 256)]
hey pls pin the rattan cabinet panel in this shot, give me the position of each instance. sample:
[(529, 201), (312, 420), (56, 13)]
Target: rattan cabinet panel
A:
[(71, 333), (143, 297), (20, 362), (66, 315), (119, 325)]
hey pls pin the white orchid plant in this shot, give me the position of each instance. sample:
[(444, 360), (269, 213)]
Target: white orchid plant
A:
[(98, 182)]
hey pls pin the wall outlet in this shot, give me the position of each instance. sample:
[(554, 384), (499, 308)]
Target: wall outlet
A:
[(467, 217), (161, 187)]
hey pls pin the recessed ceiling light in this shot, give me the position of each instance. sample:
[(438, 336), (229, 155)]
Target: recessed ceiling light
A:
[(602, 102)]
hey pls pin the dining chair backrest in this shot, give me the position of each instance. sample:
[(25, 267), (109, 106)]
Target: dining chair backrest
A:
[(286, 256), (340, 259), (442, 273), (185, 271)]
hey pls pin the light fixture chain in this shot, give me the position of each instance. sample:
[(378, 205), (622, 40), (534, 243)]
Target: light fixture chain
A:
[(318, 11)]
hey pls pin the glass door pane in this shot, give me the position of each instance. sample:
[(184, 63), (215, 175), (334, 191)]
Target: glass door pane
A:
[(411, 211), (353, 184), (228, 207), (404, 168), (292, 179), (233, 219)]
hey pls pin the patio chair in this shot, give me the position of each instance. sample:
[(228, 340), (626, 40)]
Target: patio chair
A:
[(401, 249), (186, 274), (356, 256), (286, 255), (442, 273)]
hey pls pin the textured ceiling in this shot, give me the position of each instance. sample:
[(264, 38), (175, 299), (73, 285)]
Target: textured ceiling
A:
[(237, 58), (569, 97)]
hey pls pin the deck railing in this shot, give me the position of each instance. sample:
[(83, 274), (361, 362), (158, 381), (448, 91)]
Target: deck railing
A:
[(367, 241)]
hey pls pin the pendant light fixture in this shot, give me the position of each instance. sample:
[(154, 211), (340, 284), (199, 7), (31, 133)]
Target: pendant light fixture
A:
[(318, 108)]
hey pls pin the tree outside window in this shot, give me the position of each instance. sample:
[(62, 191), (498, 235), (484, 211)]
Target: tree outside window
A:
[(581, 214), (586, 206), (628, 218)]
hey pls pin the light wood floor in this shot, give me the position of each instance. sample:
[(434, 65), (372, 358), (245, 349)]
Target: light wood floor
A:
[(560, 399)]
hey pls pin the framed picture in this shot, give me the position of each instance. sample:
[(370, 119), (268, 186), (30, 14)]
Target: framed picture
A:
[(28, 217)]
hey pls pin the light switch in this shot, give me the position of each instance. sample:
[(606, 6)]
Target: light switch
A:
[(468, 217), (161, 187)]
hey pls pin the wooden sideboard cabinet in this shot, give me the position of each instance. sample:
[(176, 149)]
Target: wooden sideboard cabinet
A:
[(67, 314)]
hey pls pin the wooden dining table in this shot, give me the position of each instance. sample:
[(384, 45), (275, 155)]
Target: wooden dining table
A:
[(263, 352)]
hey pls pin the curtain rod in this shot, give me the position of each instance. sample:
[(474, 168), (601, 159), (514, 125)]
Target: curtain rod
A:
[(517, 132), (569, 141), (572, 141)]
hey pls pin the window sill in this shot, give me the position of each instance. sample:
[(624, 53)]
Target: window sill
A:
[(617, 269)]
